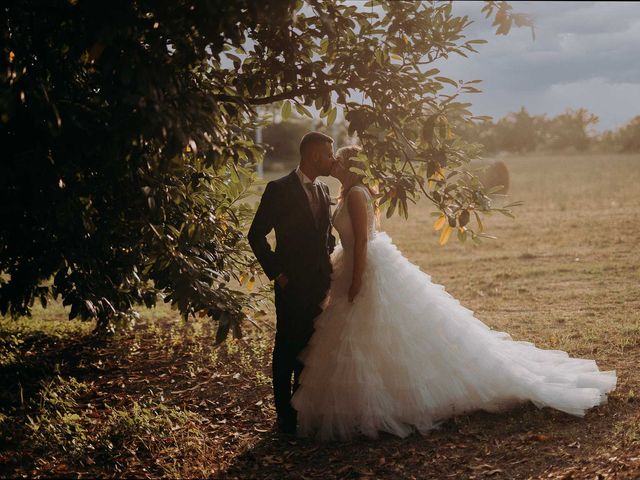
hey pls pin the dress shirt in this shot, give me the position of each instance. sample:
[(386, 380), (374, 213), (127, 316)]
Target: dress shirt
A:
[(304, 180)]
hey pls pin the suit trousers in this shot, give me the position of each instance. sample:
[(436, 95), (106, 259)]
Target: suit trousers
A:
[(294, 327)]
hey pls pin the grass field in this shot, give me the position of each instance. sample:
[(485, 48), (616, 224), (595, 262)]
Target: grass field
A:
[(161, 400)]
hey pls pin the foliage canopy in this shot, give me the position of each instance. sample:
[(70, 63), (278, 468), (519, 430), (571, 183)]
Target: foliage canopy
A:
[(127, 134)]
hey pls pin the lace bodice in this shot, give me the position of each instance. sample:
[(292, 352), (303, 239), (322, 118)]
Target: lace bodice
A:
[(342, 219)]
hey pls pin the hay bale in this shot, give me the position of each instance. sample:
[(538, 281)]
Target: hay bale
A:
[(495, 174)]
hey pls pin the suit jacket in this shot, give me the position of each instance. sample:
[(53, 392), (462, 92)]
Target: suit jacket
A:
[(302, 248)]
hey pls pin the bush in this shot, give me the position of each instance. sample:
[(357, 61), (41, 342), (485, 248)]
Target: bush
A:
[(168, 438), (58, 429)]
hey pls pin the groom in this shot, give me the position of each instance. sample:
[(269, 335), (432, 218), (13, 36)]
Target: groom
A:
[(296, 206)]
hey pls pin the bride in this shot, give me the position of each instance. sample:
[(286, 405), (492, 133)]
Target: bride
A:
[(394, 352)]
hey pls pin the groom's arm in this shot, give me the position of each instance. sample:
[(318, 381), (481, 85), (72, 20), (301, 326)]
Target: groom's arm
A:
[(263, 223), (331, 241)]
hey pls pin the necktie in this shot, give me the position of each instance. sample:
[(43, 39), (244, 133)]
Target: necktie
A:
[(315, 201)]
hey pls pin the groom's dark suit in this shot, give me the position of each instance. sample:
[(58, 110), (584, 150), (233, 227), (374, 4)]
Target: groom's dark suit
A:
[(303, 246)]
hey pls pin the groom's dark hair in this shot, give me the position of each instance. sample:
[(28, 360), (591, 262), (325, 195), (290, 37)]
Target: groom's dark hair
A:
[(313, 138)]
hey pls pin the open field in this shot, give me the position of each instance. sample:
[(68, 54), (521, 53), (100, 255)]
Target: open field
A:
[(162, 400)]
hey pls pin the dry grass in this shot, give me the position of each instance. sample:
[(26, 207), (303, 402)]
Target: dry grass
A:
[(564, 274)]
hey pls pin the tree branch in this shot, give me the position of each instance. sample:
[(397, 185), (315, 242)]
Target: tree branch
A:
[(285, 95)]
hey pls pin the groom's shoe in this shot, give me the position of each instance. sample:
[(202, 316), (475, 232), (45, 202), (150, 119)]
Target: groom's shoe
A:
[(287, 427)]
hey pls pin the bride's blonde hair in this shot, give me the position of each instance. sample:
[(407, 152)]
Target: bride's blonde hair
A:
[(349, 155)]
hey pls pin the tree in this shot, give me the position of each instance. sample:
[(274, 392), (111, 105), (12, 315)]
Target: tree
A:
[(570, 130), (126, 133), (518, 132), (282, 139), (522, 132), (629, 136)]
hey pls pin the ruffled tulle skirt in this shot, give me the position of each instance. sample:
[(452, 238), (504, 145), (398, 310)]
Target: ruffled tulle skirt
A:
[(406, 355)]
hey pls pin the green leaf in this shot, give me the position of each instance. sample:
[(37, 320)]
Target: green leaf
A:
[(447, 80), (237, 330), (471, 89), (483, 118), (224, 324), (480, 226), (324, 45), (486, 235), (303, 111), (403, 208), (427, 128), (378, 54), (332, 116), (286, 110), (494, 189), (392, 206)]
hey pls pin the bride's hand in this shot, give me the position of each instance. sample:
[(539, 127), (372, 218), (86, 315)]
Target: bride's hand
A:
[(354, 289)]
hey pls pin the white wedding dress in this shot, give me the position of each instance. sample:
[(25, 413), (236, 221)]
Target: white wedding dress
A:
[(406, 354)]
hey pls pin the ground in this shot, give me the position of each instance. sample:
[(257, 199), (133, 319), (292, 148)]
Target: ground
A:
[(161, 399)]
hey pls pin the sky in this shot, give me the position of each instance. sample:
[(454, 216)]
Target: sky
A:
[(585, 54)]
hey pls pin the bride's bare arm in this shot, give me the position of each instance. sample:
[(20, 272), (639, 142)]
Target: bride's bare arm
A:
[(357, 204)]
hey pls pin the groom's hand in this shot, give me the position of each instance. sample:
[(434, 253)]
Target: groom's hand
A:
[(282, 280)]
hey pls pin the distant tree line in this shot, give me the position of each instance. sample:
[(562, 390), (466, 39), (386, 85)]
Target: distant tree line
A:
[(570, 131), (625, 139), (518, 132)]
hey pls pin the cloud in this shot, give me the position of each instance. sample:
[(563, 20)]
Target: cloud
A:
[(584, 55)]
